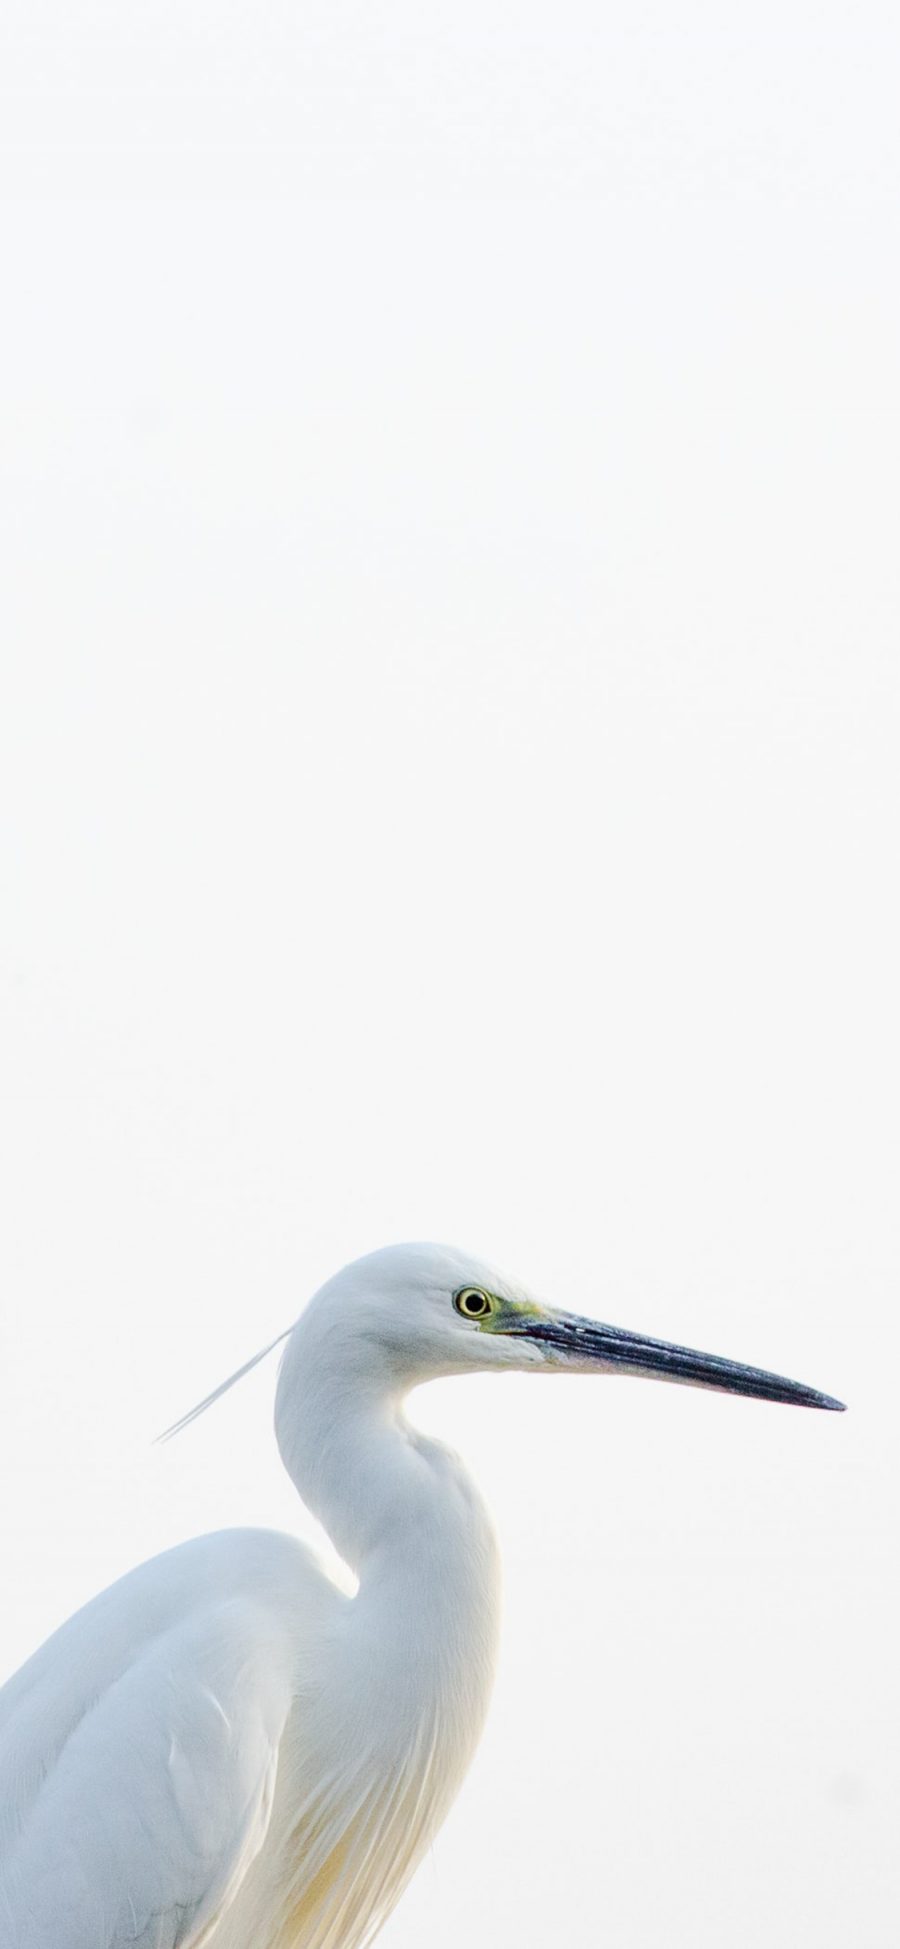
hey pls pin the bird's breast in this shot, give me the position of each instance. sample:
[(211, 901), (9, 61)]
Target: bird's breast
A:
[(377, 1745)]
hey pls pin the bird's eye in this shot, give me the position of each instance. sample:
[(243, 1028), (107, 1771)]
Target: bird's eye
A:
[(472, 1303)]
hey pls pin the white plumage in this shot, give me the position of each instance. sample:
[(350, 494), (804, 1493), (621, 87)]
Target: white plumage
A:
[(225, 1748)]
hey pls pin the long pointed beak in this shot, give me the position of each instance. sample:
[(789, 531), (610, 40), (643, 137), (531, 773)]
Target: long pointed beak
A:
[(578, 1343)]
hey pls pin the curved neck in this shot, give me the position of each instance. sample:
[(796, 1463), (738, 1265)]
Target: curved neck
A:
[(401, 1510), (415, 1649), (407, 1665)]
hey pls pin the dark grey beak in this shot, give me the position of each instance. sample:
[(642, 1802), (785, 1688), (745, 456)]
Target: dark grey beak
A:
[(572, 1342)]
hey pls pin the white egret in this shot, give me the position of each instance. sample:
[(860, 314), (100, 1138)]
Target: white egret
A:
[(226, 1749)]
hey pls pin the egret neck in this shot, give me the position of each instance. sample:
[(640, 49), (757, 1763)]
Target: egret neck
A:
[(406, 1517)]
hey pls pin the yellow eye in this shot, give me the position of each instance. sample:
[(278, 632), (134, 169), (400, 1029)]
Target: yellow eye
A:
[(472, 1303)]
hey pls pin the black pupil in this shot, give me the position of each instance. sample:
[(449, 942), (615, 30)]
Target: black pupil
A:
[(474, 1302)]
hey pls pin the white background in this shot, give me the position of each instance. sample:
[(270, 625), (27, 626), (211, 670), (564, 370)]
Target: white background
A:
[(449, 475)]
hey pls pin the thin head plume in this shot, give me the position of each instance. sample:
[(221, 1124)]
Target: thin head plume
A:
[(222, 1388)]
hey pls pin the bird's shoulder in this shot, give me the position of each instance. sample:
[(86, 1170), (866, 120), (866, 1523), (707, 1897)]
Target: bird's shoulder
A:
[(149, 1726)]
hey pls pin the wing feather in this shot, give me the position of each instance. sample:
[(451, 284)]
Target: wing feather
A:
[(136, 1807)]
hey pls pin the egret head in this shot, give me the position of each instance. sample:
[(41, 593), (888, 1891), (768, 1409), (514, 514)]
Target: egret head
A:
[(416, 1312), (412, 1313)]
